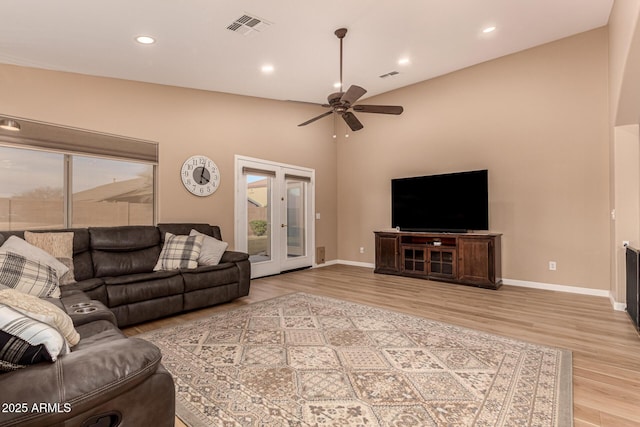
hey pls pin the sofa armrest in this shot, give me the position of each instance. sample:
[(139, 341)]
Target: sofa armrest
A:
[(93, 288), (76, 382), (83, 285), (233, 256)]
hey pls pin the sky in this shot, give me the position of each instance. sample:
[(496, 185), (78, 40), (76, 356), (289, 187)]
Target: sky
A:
[(25, 170)]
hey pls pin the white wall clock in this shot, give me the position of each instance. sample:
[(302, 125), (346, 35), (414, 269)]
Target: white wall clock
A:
[(200, 175)]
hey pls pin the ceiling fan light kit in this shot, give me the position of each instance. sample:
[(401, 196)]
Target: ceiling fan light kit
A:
[(341, 102)]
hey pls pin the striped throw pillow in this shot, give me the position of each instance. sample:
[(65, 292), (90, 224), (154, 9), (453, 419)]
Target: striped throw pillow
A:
[(25, 341)]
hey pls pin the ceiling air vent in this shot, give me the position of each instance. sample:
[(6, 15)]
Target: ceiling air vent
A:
[(392, 73), (248, 24)]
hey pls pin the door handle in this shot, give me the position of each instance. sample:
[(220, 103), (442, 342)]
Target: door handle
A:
[(283, 225)]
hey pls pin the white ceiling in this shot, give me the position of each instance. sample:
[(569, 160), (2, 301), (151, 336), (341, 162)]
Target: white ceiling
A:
[(195, 49)]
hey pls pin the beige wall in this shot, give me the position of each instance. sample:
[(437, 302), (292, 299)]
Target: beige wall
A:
[(624, 101), (624, 62), (185, 122), (537, 120)]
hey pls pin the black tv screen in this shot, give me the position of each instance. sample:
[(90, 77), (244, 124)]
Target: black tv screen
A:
[(454, 202)]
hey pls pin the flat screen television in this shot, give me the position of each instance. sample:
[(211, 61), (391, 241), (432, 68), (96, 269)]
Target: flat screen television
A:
[(454, 202)]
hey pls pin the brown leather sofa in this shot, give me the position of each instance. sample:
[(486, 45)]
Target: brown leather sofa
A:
[(114, 265), (107, 380)]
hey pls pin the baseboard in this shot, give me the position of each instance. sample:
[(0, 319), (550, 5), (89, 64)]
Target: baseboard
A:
[(559, 288), (618, 306), (326, 263), (345, 262), (356, 263)]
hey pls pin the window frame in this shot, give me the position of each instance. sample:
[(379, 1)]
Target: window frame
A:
[(70, 142)]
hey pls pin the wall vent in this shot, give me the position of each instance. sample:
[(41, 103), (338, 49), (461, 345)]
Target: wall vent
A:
[(392, 73), (248, 25)]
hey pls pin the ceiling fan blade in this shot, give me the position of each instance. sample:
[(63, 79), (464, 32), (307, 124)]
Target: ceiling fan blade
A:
[(316, 118), (381, 109), (352, 94), (352, 121)]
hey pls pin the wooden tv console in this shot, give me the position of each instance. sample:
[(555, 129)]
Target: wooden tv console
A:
[(466, 258)]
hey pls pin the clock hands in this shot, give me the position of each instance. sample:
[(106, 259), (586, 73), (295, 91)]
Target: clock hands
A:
[(204, 176)]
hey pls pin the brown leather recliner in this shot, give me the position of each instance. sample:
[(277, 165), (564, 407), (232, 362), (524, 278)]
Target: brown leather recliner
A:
[(107, 379)]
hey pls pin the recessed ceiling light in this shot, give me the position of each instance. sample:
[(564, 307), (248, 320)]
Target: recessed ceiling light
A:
[(145, 40), (267, 68), (337, 85), (404, 61), (489, 30)]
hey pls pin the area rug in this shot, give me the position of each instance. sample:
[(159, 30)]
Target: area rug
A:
[(306, 360)]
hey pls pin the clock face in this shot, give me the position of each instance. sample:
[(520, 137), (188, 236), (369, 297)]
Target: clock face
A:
[(200, 175)]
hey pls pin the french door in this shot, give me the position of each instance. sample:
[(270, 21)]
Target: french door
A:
[(274, 215)]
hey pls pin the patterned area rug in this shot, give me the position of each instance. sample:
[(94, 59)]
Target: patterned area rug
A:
[(306, 360)]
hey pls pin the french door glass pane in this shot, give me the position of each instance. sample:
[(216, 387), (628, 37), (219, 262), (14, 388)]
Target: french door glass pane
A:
[(296, 227), (259, 189), (111, 192), (31, 194)]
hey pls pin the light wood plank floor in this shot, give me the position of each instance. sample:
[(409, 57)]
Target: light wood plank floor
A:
[(605, 345)]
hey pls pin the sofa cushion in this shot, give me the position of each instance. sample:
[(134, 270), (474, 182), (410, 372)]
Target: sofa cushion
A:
[(42, 310), (82, 265), (185, 228), (16, 353), (141, 287), (130, 314), (59, 245), (124, 238), (25, 341), (179, 252), (20, 246), (209, 276), (97, 332), (212, 249), (118, 251), (28, 276)]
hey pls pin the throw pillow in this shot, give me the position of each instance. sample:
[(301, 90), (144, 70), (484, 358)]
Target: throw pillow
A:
[(34, 306), (212, 249), (58, 245), (179, 252), (21, 247), (28, 276), (25, 341)]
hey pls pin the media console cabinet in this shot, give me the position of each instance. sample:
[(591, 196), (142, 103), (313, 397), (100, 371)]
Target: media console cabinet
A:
[(465, 258)]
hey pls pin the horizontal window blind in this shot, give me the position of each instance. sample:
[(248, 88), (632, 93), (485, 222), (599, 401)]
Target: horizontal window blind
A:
[(254, 171), (52, 137), (297, 177)]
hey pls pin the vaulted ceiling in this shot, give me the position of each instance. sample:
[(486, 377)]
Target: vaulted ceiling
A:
[(209, 45)]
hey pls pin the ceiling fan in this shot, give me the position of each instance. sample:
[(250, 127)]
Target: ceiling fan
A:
[(341, 102)]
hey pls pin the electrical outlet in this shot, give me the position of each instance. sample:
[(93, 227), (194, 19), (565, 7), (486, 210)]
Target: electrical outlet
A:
[(552, 265), (361, 249)]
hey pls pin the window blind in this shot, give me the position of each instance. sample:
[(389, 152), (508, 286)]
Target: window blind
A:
[(52, 137), (255, 171)]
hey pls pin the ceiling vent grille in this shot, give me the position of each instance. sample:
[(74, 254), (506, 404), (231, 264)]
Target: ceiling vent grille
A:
[(392, 73), (248, 24)]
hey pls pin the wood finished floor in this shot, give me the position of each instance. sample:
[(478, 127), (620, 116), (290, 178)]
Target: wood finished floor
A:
[(605, 345)]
